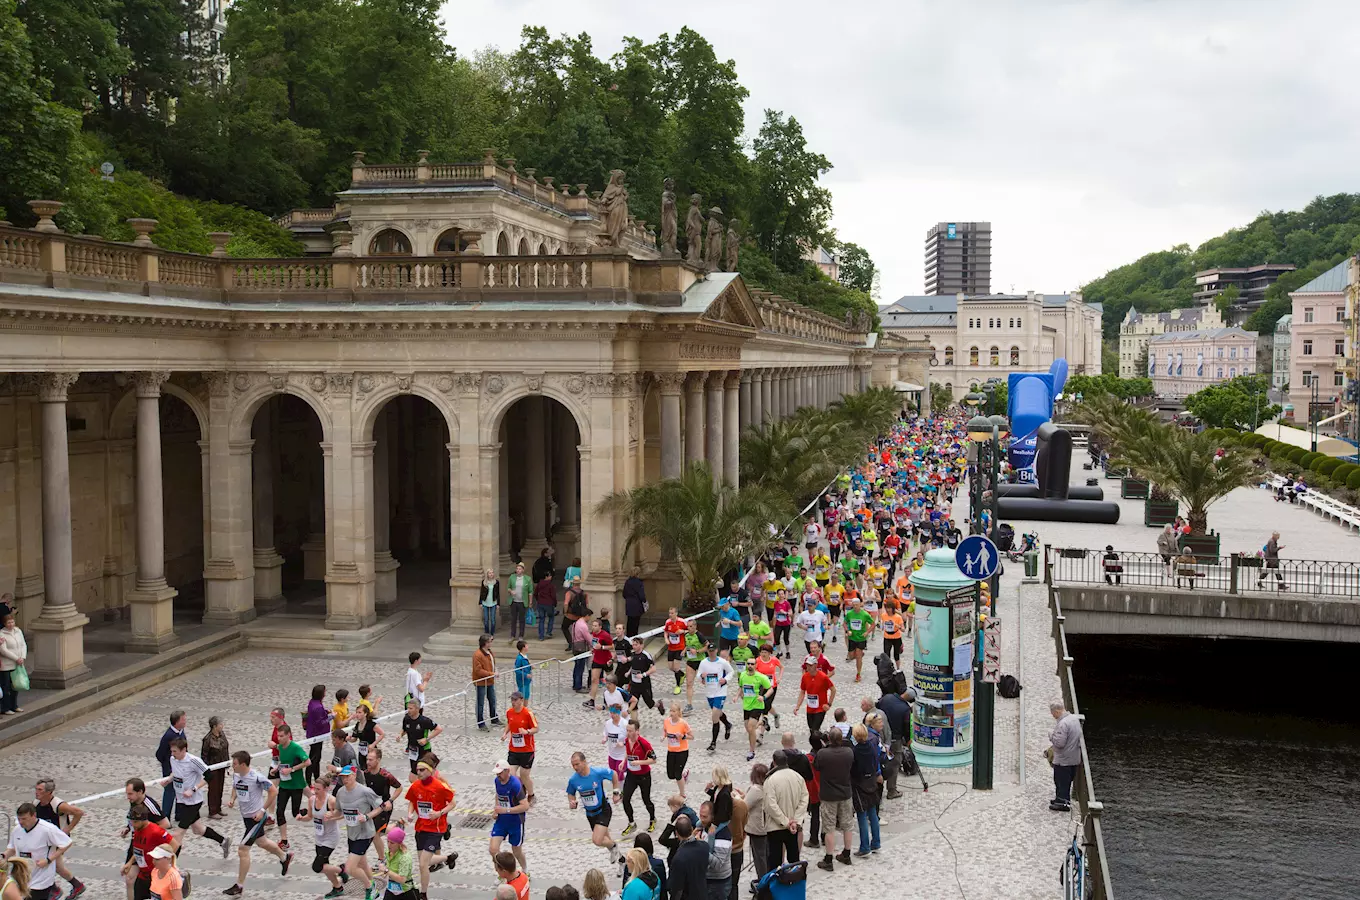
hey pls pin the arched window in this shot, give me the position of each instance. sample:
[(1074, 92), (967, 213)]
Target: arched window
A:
[(523, 247), (389, 242), (542, 250), (502, 245), (451, 241), (1019, 323), (972, 356), (994, 356), (1015, 356), (1232, 373), (949, 356)]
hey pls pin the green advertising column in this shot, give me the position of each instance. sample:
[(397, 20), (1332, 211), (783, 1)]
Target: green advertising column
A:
[(942, 658)]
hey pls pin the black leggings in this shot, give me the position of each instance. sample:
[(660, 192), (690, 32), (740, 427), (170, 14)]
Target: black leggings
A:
[(893, 646), (314, 767), (631, 782), (781, 634)]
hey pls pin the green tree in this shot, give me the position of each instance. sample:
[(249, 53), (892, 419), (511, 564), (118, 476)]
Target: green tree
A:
[(790, 212), (709, 122), (1225, 300), (1140, 363), (1187, 467), (857, 267), (1240, 403), (941, 398), (75, 47), (707, 527)]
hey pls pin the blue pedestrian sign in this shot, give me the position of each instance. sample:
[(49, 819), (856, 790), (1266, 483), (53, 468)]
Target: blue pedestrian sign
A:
[(977, 557)]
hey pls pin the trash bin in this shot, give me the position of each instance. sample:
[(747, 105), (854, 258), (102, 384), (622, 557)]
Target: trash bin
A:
[(1032, 564)]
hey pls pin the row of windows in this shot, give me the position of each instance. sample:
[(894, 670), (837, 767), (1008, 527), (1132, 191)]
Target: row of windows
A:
[(1017, 322), (1338, 347), (390, 242), (1338, 378), (993, 356), (1308, 314)]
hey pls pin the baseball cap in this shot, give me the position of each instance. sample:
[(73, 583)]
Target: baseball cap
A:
[(162, 852), (500, 766), (810, 661), (347, 770), (396, 834)]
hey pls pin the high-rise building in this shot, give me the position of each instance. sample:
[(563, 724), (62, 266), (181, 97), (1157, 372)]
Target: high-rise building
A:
[(959, 258)]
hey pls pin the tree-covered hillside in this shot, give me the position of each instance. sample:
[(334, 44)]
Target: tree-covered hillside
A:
[(1314, 238)]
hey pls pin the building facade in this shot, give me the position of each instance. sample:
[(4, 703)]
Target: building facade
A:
[(198, 433), (976, 338), (1250, 281), (1184, 362), (959, 258), (1279, 371), (1138, 328), (1318, 339)]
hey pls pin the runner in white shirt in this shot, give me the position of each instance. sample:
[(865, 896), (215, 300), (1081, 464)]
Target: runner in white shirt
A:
[(42, 844), (812, 533), (188, 775), (615, 732), (713, 674), (415, 681), (813, 622)]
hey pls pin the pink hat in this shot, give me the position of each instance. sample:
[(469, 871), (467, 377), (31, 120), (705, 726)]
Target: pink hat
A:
[(396, 835)]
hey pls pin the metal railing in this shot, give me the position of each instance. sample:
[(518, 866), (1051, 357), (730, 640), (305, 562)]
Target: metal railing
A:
[(1233, 574), (1093, 839)]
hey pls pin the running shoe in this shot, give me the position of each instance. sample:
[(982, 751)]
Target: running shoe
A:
[(226, 851), (689, 708), (436, 867), (234, 891), (287, 861), (76, 890), (451, 860), (651, 826), (613, 854), (728, 735), (335, 892), (750, 756), (676, 691), (712, 748), (283, 845), (776, 719), (629, 828)]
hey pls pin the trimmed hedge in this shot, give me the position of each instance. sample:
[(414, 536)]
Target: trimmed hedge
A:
[(1328, 466), (1309, 458), (1296, 456), (1342, 473), (1353, 482), (1317, 464)]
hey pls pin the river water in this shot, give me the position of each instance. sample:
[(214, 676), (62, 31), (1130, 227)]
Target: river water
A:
[(1228, 769)]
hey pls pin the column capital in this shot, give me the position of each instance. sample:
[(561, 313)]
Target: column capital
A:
[(52, 386), (715, 379), (733, 380), (669, 382), (694, 381), (747, 376), (148, 384)]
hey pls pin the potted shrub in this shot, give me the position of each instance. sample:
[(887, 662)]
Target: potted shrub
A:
[(1133, 488), (1160, 508), (1203, 546), (1250, 560)]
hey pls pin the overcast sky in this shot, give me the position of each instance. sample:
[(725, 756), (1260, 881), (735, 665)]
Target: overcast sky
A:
[(1087, 133)]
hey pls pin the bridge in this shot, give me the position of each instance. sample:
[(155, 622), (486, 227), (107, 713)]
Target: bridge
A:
[(1224, 597)]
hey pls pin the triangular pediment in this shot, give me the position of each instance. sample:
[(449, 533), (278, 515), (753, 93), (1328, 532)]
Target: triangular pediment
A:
[(734, 306)]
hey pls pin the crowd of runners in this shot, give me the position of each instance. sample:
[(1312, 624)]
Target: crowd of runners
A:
[(842, 584)]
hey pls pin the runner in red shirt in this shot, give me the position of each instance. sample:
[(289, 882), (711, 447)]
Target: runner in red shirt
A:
[(640, 757), (817, 689), (823, 664), (431, 799), (674, 630), (601, 655), (145, 838)]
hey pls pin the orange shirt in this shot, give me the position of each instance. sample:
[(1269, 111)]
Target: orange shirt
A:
[(770, 669), (427, 799), (677, 735), (903, 589), (675, 634), (520, 719), (893, 625), (521, 885)]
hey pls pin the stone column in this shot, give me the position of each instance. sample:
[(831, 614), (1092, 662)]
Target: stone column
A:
[(766, 397), (504, 530), (800, 390), (694, 418), (715, 423), (568, 535), (786, 404), (535, 478), (672, 451), (58, 646), (384, 565), (268, 562), (733, 386), (408, 522), (757, 398), (152, 602), (744, 402)]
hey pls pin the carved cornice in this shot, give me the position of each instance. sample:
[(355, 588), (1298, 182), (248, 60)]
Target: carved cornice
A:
[(697, 350), (670, 382), (148, 384)]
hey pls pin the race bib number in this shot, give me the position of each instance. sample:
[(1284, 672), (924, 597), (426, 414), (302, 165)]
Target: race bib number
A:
[(674, 640), (856, 625), (353, 817), (890, 627), (635, 765), (611, 739), (781, 619), (814, 703), (139, 857), (242, 789), (517, 740), (424, 809), (673, 740), (504, 802), (589, 798), (413, 754), (362, 748), (711, 679), (394, 889), (320, 825), (748, 690), (637, 677)]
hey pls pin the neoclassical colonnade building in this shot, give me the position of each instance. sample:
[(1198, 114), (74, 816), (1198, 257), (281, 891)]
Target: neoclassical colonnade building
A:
[(191, 432)]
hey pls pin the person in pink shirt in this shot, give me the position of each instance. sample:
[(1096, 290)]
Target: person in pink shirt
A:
[(783, 621)]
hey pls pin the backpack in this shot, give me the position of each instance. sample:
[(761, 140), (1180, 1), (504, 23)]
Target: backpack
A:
[(1009, 687)]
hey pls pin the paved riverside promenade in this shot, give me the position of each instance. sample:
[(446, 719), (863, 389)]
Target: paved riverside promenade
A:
[(1005, 843)]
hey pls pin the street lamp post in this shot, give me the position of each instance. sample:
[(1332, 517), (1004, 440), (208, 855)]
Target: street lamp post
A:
[(986, 434), (1313, 413)]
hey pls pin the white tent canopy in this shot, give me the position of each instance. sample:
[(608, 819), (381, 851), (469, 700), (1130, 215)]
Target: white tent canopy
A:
[(1298, 437), (906, 387)]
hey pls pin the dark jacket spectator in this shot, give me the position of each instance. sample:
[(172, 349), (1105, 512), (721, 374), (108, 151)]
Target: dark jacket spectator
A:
[(834, 763), (864, 773), (634, 598), (898, 713), (668, 838), (543, 567), (688, 877), (545, 591)]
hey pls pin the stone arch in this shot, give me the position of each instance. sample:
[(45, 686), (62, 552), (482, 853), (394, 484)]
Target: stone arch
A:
[(246, 406), (123, 416), (493, 416), (502, 244), (523, 248), (390, 241), (449, 241), (373, 404)]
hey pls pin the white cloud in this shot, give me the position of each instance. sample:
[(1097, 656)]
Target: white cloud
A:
[(1087, 133)]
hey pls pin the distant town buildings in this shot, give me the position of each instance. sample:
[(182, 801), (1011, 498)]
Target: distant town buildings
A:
[(1183, 362), (1250, 281), (824, 259), (976, 337), (959, 258), (1279, 369), (1139, 328), (1318, 342)]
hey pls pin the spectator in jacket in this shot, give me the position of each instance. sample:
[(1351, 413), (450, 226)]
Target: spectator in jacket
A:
[(641, 881), (896, 710), (1065, 754), (786, 803), (1167, 546), (176, 731), (679, 809), (574, 608), (834, 763), (741, 813), (643, 842), (755, 819), (316, 721), (13, 653), (484, 679), (719, 874), (688, 877), (866, 778), (634, 601), (545, 598), (816, 740), (215, 750), (490, 600), (579, 637), (543, 566)]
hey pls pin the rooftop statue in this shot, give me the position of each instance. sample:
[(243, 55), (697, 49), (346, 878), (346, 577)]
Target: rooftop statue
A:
[(713, 249), (668, 221), (732, 248), (694, 231), (614, 206)]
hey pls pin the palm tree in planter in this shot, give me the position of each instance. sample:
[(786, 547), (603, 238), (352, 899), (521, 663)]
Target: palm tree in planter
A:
[(709, 528), (1186, 467)]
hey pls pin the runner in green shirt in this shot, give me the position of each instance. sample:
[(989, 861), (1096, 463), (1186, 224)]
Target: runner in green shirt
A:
[(694, 654), (859, 626), (293, 762), (794, 563), (760, 631), (743, 651), (849, 566), (755, 688)]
